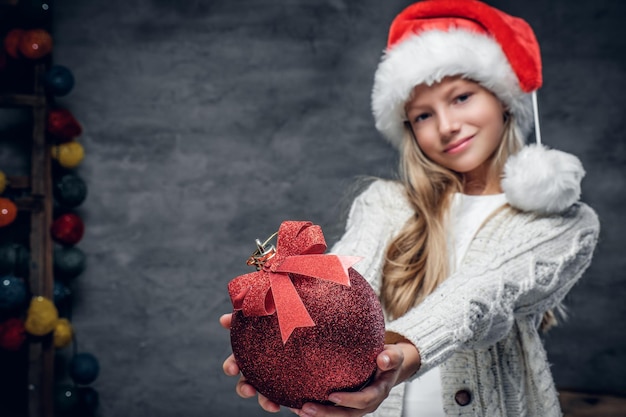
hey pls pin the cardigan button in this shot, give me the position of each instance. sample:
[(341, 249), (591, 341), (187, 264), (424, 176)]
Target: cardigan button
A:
[(463, 397)]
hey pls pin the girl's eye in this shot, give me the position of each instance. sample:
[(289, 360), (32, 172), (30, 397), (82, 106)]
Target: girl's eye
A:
[(462, 98), (421, 117)]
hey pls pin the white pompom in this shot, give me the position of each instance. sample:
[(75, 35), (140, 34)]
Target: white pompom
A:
[(542, 180)]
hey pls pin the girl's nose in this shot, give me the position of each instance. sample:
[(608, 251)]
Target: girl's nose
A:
[(448, 124)]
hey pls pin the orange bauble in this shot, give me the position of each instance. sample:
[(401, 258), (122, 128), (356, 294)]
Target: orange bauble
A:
[(8, 212), (35, 44), (12, 42)]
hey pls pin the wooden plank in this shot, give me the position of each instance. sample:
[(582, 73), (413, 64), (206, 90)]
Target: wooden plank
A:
[(29, 203), (22, 100), (41, 366), (18, 182), (580, 404)]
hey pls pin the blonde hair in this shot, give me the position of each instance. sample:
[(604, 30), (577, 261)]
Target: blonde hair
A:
[(416, 261)]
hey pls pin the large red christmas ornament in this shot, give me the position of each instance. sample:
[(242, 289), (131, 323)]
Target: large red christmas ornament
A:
[(12, 42), (67, 229), (8, 212), (35, 43), (305, 324), (63, 125)]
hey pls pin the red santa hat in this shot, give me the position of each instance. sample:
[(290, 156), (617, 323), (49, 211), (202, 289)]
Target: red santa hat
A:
[(433, 39)]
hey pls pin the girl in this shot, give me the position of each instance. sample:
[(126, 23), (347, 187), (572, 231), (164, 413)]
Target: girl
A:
[(480, 240)]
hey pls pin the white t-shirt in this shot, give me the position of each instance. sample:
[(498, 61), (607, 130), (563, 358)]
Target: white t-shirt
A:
[(424, 396)]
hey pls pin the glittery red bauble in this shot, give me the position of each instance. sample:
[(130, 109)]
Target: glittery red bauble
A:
[(67, 229), (63, 125), (337, 354), (35, 43), (12, 334)]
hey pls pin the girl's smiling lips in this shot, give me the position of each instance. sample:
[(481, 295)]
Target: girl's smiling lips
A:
[(459, 145)]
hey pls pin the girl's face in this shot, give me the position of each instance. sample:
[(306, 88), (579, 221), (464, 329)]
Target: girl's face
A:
[(458, 124)]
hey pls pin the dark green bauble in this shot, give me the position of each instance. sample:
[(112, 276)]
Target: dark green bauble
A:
[(70, 190), (14, 259), (69, 262), (13, 293), (65, 399), (88, 401), (84, 368)]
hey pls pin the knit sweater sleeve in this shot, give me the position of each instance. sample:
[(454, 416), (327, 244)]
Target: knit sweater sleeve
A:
[(520, 265), (376, 215)]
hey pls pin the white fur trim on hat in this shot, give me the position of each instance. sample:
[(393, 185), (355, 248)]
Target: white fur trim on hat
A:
[(542, 180), (429, 57)]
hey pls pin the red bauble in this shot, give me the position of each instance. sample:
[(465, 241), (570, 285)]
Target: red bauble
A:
[(305, 324), (35, 43), (12, 42), (8, 212), (63, 125), (12, 334), (337, 354), (67, 229)]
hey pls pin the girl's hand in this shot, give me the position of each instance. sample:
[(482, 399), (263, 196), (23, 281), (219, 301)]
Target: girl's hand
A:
[(242, 388), (395, 364)]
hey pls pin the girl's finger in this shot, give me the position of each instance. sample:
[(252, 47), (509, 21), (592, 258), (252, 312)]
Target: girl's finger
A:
[(319, 410), (368, 397), (230, 366), (225, 320), (268, 405), (244, 390)]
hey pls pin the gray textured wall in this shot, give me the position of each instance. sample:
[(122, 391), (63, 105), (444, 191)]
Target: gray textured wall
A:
[(207, 123)]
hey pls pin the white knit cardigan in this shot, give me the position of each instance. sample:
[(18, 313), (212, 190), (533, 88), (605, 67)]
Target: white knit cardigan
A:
[(480, 325)]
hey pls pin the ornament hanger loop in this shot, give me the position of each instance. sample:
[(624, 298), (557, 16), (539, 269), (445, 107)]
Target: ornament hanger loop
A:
[(264, 252)]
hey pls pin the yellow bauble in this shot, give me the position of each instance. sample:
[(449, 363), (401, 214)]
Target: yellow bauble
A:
[(62, 333), (69, 154), (42, 316), (3, 182)]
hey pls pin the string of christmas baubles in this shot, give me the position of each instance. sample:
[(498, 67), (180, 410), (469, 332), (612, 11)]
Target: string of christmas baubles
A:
[(44, 317)]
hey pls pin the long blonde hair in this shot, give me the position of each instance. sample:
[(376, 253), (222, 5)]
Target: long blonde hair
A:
[(417, 259)]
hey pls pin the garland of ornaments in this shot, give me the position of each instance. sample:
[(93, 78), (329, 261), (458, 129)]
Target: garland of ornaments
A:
[(43, 316)]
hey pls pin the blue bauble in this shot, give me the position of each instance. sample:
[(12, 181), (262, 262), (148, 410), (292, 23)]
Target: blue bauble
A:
[(58, 80), (13, 293), (70, 190), (61, 294), (69, 262), (84, 368)]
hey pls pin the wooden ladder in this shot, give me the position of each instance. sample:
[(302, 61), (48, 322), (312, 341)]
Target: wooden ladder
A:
[(39, 203)]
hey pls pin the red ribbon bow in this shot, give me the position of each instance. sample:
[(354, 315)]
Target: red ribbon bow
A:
[(299, 250)]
